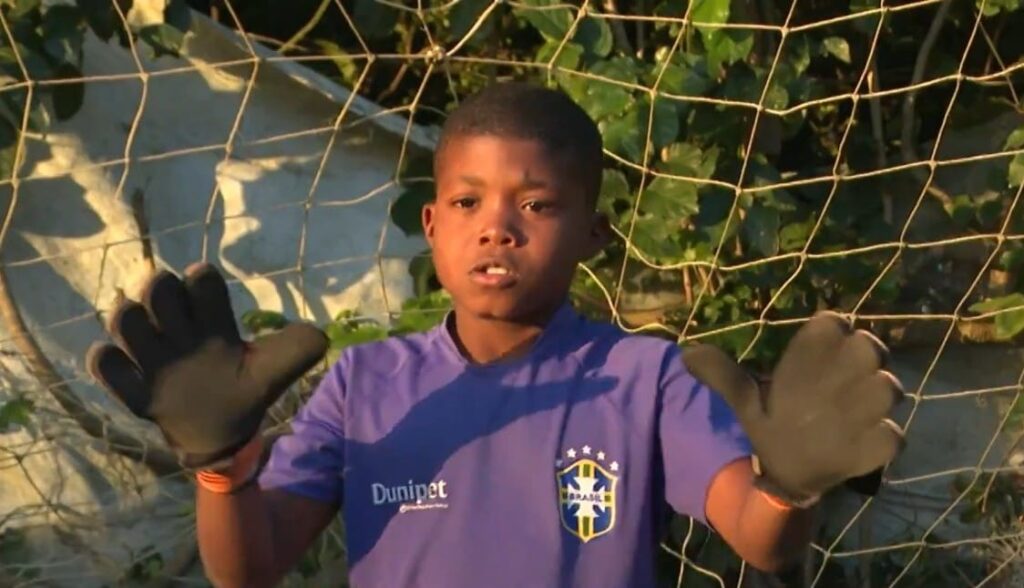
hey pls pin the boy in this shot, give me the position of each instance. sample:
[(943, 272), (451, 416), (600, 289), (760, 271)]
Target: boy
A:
[(516, 444)]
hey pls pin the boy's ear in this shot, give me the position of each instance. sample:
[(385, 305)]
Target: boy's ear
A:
[(600, 235), (427, 220)]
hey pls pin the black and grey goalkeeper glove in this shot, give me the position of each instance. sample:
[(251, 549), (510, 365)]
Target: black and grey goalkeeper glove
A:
[(180, 362), (823, 420)]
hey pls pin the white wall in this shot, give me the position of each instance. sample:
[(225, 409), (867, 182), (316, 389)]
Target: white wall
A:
[(74, 242)]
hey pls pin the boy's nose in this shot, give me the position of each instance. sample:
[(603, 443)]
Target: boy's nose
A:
[(499, 228), (495, 234)]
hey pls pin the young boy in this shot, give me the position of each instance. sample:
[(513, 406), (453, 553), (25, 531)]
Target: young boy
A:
[(517, 444)]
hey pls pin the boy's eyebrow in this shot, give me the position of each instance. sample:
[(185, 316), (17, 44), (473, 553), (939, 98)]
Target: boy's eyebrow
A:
[(526, 184)]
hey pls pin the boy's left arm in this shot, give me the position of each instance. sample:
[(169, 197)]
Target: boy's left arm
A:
[(765, 532), (821, 423)]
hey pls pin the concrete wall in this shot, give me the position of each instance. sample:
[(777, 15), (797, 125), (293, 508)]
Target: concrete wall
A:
[(73, 244)]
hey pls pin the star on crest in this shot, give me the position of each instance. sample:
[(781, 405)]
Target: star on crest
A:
[(571, 453), (600, 456), (614, 466), (586, 450)]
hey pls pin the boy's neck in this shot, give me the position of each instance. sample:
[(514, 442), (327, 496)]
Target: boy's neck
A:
[(484, 340)]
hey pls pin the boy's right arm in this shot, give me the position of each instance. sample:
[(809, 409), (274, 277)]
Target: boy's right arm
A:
[(179, 362), (251, 539)]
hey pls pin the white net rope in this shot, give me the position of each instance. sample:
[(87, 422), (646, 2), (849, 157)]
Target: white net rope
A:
[(904, 537)]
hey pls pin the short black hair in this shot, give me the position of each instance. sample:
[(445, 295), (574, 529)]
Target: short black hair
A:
[(522, 110)]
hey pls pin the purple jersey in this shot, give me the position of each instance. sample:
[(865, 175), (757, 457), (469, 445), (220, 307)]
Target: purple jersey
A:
[(547, 470)]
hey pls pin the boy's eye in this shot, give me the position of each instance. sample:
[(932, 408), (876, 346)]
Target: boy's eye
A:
[(464, 202), (537, 206)]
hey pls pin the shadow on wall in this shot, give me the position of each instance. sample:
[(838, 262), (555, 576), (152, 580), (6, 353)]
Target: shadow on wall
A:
[(274, 203)]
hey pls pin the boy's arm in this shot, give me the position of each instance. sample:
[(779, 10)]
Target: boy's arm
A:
[(821, 423), (764, 533), (252, 538)]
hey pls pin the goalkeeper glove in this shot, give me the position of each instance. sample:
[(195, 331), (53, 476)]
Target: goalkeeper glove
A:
[(180, 363), (822, 421)]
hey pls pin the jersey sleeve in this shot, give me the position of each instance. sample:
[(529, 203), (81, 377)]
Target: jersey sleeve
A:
[(309, 460), (698, 434)]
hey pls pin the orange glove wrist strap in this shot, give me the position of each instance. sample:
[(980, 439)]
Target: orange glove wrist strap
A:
[(775, 502), (243, 468)]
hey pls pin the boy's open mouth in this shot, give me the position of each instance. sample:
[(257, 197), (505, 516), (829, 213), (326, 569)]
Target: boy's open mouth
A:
[(494, 273)]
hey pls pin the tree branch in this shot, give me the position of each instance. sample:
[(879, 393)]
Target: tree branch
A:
[(618, 30), (306, 28), (907, 137)]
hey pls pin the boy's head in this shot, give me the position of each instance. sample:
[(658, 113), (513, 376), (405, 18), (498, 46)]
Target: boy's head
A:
[(518, 171)]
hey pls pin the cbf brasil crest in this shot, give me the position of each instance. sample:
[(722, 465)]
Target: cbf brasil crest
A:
[(586, 493)]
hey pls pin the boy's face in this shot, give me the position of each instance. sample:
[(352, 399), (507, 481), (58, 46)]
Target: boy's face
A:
[(506, 228)]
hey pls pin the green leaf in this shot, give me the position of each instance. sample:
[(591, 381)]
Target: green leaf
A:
[(1012, 259), (1015, 173), (63, 33), (1015, 140), (422, 313), (406, 212), (676, 79), (723, 46), (689, 160), (838, 47), (728, 47), (800, 50), (1009, 323), (670, 199), (568, 58), (22, 8), (553, 23), (710, 12), (761, 228), (8, 149), (994, 7), (178, 15), (68, 98), (603, 99), (423, 274), (961, 210), (100, 16), (794, 236), (348, 68), (256, 321), (665, 127), (163, 39), (622, 135), (594, 35), (347, 331), (16, 412), (374, 20), (464, 15), (615, 191)]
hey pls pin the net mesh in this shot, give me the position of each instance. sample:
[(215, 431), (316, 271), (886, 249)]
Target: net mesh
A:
[(914, 533)]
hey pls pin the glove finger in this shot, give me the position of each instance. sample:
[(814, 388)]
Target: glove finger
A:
[(210, 302), (871, 399), (167, 302), (868, 484), (115, 371), (862, 353), (878, 447), (715, 369), (277, 360), (131, 329), (812, 348)]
